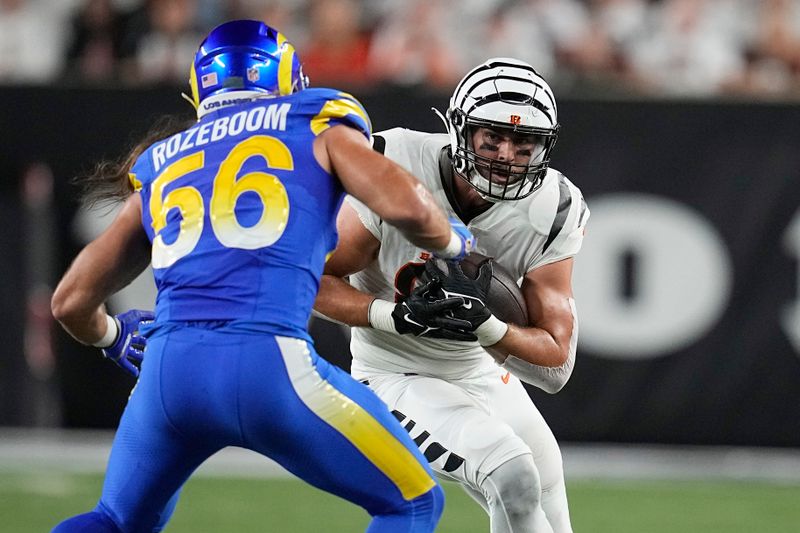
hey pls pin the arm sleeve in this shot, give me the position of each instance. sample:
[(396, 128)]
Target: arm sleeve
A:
[(549, 379)]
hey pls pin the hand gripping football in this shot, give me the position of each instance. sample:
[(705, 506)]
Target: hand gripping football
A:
[(505, 298)]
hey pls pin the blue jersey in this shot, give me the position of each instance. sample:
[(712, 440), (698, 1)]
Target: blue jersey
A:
[(240, 214)]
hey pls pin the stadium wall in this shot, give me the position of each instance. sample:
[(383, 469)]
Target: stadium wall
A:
[(687, 286)]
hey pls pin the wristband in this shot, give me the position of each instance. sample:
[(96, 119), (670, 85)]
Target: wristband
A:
[(379, 315), (454, 247), (491, 331), (110, 336)]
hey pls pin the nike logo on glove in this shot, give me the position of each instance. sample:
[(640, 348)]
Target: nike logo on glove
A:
[(428, 329), (407, 318), (467, 304)]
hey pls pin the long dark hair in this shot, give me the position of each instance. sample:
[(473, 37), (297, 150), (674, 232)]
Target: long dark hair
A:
[(108, 182)]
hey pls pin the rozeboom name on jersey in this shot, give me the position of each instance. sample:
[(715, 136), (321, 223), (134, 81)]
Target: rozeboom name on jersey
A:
[(271, 117)]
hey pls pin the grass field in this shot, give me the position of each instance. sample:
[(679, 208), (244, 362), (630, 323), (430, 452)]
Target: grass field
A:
[(33, 503)]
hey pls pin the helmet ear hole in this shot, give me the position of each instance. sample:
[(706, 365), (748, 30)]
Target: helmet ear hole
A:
[(456, 116)]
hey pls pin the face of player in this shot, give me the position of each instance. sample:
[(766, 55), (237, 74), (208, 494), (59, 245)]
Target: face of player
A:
[(504, 155)]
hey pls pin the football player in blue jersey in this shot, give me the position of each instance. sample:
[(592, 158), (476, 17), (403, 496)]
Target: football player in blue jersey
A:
[(237, 214)]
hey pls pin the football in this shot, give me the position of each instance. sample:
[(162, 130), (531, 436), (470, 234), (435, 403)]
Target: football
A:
[(505, 298)]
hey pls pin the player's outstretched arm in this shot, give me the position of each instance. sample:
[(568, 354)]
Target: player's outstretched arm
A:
[(103, 267), (389, 191), (338, 300)]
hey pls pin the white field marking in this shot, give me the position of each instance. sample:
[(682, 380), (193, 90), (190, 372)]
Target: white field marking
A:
[(53, 451), (74, 451)]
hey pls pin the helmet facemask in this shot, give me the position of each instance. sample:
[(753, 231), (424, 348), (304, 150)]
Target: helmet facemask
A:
[(508, 110)]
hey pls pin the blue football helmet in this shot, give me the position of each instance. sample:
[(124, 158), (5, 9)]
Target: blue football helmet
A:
[(245, 55)]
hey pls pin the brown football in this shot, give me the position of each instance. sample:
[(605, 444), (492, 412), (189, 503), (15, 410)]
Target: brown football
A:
[(505, 298)]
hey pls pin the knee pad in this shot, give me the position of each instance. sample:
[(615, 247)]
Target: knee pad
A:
[(515, 488)]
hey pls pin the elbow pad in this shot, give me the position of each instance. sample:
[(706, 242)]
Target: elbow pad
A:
[(549, 379)]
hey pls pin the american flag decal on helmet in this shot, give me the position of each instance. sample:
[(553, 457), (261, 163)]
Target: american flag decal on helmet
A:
[(207, 80)]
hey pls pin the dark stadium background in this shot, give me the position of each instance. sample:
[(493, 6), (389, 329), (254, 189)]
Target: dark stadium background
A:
[(734, 163)]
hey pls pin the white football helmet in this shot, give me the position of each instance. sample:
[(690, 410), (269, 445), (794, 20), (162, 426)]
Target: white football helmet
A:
[(509, 97)]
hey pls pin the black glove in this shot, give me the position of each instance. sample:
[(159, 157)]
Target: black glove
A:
[(454, 284), (422, 314)]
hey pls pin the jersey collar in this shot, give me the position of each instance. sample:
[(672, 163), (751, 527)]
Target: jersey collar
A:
[(447, 177)]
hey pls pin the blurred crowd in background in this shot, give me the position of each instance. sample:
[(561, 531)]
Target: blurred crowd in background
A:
[(692, 48)]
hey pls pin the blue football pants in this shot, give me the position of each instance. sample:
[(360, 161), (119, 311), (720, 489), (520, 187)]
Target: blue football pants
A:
[(201, 390)]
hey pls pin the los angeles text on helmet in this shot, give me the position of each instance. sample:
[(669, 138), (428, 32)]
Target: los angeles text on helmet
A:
[(265, 117)]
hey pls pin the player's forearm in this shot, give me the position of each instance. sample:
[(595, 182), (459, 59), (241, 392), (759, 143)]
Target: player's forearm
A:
[(550, 379), (390, 191), (402, 201), (414, 212), (78, 306), (86, 329), (551, 341), (538, 356), (534, 367), (533, 345), (77, 302), (340, 301), (103, 267)]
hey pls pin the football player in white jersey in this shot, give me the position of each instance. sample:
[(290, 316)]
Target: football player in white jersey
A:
[(467, 410)]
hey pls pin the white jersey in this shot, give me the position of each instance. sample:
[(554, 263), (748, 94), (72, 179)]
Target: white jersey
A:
[(521, 235)]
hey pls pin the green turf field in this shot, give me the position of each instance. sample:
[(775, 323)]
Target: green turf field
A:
[(33, 503)]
